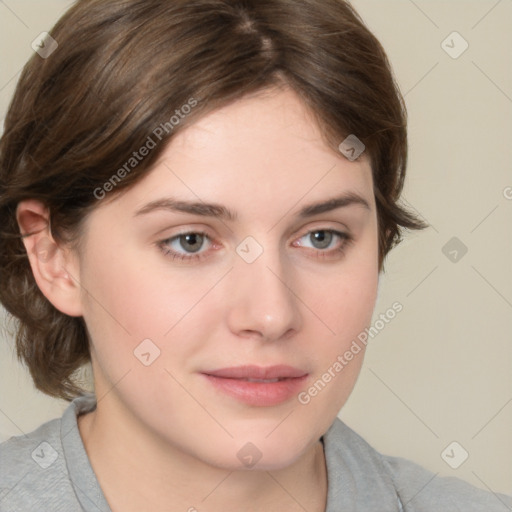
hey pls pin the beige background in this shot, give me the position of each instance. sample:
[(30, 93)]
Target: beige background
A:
[(441, 371)]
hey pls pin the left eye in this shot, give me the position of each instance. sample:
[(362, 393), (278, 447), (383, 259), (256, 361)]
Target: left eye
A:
[(323, 238)]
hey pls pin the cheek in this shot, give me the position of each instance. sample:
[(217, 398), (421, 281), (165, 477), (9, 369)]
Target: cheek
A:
[(346, 308), (344, 298), (344, 304), (133, 295), (129, 301)]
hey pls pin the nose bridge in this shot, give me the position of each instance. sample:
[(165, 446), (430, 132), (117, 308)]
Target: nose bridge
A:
[(263, 300)]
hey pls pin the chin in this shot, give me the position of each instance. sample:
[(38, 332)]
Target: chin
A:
[(262, 453)]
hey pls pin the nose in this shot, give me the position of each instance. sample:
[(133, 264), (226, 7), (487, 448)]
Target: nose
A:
[(262, 301)]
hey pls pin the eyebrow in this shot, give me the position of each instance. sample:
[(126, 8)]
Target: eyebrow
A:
[(220, 211)]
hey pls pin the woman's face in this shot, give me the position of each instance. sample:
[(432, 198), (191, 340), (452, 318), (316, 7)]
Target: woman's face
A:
[(209, 330)]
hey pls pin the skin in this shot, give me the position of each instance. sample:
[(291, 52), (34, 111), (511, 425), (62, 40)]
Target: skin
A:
[(299, 304)]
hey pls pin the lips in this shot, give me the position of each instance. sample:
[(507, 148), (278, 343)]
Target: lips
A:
[(256, 385), (258, 372)]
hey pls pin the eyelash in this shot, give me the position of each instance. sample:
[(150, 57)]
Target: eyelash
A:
[(320, 254)]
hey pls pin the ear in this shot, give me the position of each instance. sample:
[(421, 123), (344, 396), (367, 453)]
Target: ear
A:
[(54, 265)]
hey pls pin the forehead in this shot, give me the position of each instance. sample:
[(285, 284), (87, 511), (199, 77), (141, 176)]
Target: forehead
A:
[(261, 153)]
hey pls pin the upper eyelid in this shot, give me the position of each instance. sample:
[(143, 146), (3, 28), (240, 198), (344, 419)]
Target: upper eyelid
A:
[(193, 231), (321, 226)]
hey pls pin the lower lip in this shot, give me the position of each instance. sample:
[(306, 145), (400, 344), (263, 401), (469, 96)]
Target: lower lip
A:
[(262, 394)]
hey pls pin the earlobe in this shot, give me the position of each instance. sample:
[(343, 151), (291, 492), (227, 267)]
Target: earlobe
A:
[(54, 266)]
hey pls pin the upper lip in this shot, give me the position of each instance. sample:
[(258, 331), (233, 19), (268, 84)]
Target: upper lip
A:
[(257, 372)]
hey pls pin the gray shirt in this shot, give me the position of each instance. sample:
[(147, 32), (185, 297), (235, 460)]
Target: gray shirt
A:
[(48, 470)]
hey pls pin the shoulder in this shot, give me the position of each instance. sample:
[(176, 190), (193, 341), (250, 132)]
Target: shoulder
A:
[(33, 472), (414, 488), (423, 491)]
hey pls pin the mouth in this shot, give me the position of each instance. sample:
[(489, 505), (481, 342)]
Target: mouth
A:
[(258, 386)]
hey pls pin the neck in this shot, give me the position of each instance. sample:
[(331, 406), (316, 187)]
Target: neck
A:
[(138, 472)]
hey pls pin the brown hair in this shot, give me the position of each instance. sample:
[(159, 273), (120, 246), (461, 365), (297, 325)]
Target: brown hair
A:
[(123, 72)]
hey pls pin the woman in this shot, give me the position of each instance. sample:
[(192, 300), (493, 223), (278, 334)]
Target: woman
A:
[(198, 197)]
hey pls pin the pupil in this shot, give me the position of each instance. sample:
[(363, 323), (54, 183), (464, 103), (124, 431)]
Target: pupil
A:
[(324, 238), (194, 240)]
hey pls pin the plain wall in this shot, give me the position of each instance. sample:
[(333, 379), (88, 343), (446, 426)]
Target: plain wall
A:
[(441, 370)]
